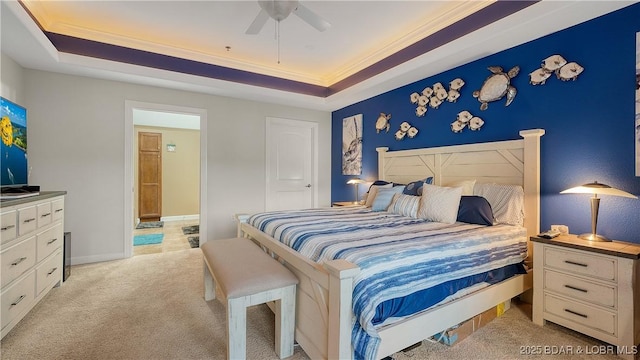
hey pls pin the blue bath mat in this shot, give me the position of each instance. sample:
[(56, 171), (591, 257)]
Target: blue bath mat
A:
[(147, 239)]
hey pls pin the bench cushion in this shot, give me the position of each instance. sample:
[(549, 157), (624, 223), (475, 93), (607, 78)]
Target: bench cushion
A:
[(241, 268)]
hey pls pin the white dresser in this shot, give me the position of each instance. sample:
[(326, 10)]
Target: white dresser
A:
[(589, 287), (31, 246)]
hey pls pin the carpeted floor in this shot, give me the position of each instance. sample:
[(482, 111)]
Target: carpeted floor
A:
[(152, 307)]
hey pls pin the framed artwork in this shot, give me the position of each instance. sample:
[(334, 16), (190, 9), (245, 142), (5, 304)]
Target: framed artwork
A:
[(637, 123), (352, 145)]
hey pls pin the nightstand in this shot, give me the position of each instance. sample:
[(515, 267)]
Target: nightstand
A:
[(345, 203), (589, 287)]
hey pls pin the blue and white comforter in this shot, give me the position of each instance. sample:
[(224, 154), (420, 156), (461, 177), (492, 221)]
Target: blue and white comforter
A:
[(397, 255)]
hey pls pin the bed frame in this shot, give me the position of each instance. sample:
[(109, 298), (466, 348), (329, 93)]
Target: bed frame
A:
[(324, 295)]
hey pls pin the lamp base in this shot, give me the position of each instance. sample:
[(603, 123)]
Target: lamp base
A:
[(593, 237)]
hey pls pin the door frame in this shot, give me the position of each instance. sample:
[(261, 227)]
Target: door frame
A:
[(269, 142), (129, 106)]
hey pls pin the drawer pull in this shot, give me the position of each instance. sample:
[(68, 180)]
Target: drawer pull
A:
[(575, 263), (29, 220), (576, 313), (58, 210), (52, 241), (576, 288), (18, 261), (18, 301), (45, 215), (52, 271), (7, 227)]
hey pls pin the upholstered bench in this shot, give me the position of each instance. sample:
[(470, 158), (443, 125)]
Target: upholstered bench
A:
[(240, 274)]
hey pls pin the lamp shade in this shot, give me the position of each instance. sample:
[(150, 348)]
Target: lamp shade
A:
[(355, 181), (597, 189)]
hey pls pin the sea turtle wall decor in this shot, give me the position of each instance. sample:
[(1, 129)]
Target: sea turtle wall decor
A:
[(406, 130), (466, 119), (496, 86), (564, 70), (434, 96), (383, 123)]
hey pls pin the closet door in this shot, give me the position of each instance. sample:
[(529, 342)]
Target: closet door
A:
[(149, 176)]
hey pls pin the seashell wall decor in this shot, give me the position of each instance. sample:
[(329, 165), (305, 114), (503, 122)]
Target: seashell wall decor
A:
[(406, 129), (564, 70), (466, 119), (434, 96)]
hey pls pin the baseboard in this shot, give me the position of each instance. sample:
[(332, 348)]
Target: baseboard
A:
[(96, 258), (180, 217)]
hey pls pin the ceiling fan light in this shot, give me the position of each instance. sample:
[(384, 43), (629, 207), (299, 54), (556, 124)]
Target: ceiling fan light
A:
[(278, 9)]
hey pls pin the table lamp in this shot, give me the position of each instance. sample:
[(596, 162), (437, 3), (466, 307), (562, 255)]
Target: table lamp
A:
[(355, 182), (596, 188)]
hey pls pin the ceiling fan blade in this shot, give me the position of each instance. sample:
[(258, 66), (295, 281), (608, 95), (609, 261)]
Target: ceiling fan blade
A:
[(258, 23), (311, 18)]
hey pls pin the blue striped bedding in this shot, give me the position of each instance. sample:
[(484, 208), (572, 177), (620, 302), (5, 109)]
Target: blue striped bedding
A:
[(398, 257)]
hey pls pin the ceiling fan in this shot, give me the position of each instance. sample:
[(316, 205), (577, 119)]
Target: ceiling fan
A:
[(280, 10)]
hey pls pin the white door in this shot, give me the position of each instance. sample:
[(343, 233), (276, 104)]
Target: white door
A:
[(291, 162)]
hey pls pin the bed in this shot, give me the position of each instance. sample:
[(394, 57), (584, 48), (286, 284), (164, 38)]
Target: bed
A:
[(325, 294)]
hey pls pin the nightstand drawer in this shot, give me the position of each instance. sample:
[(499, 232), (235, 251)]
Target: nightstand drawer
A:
[(577, 262), (580, 289), (586, 315)]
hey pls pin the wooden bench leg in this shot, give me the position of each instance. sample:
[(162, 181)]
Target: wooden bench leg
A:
[(209, 284), (285, 312), (237, 328)]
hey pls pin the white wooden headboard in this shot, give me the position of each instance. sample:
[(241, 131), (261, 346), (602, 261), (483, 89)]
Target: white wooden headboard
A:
[(504, 162)]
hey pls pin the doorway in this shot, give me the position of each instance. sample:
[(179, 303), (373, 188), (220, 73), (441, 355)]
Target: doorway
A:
[(177, 152)]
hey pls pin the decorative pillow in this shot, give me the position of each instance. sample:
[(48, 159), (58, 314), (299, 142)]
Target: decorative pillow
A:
[(475, 210), (439, 203), (507, 202), (405, 205), (467, 186), (373, 190), (384, 197), (415, 188)]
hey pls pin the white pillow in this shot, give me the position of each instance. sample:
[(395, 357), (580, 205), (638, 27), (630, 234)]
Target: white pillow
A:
[(439, 204), (466, 185), (372, 193), (507, 202), (405, 205)]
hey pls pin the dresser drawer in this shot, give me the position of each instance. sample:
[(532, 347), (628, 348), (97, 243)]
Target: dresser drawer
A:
[(44, 214), (57, 207), (17, 298), (49, 241), (27, 220), (586, 315), (48, 272), (18, 259), (580, 289), (8, 228), (577, 262)]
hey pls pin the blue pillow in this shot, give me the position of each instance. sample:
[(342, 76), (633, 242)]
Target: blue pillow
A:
[(415, 188), (475, 210), (384, 197)]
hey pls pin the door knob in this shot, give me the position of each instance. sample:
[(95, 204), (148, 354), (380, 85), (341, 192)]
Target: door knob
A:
[(308, 185)]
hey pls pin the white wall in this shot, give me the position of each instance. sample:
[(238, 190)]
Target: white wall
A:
[(11, 80), (76, 129)]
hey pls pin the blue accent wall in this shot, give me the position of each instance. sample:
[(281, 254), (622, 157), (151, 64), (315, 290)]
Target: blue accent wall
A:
[(589, 122)]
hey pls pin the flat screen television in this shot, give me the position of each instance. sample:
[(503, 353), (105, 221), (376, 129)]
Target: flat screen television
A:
[(14, 166)]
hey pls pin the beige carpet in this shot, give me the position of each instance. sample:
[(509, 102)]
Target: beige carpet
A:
[(152, 307)]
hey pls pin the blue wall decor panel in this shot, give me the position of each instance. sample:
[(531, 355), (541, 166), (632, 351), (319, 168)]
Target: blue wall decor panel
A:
[(589, 122)]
